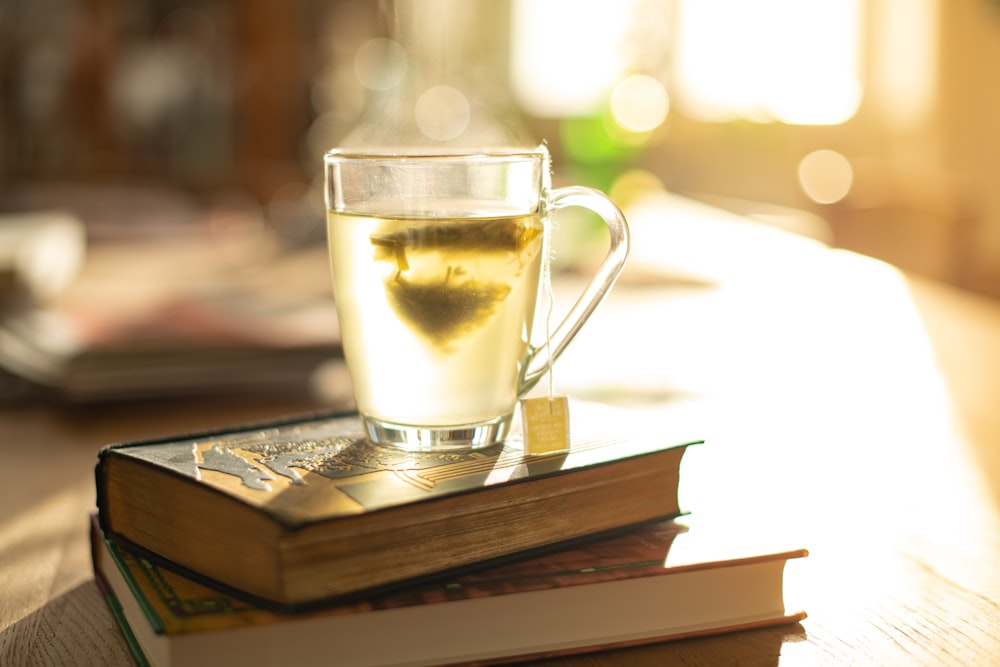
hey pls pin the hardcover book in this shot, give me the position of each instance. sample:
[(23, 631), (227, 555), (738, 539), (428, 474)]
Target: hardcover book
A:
[(306, 511), (663, 581)]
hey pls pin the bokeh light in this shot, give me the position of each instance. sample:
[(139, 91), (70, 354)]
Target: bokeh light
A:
[(826, 176), (442, 113), (639, 103), (380, 64), (633, 186)]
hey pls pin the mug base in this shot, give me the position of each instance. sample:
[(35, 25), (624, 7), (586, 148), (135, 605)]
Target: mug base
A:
[(462, 437)]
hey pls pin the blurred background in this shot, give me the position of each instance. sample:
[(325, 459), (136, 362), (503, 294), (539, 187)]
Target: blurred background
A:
[(180, 142)]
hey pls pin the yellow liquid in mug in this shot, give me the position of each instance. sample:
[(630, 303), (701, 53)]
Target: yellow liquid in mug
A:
[(435, 313)]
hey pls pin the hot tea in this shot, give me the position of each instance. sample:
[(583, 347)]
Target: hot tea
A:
[(436, 313)]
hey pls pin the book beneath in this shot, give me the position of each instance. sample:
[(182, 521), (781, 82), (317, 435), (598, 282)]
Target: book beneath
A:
[(662, 581), (304, 511)]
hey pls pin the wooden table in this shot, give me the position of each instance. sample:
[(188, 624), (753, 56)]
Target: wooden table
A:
[(856, 407)]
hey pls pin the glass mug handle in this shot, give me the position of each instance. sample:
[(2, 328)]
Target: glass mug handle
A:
[(607, 273)]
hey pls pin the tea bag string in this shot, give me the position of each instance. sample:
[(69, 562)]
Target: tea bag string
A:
[(550, 298)]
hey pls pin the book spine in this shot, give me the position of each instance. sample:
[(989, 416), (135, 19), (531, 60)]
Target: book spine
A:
[(112, 600)]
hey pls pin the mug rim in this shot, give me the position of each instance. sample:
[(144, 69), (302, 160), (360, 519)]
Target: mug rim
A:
[(431, 153)]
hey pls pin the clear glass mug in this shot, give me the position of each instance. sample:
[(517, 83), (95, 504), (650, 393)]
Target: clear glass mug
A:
[(436, 263)]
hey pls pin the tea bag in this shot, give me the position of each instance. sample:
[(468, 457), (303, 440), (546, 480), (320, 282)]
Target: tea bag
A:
[(445, 307), (545, 422), (446, 310), (489, 235)]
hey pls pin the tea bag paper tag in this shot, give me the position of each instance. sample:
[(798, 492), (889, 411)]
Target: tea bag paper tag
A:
[(545, 422)]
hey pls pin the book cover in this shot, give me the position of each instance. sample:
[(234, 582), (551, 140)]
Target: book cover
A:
[(603, 594), (307, 510)]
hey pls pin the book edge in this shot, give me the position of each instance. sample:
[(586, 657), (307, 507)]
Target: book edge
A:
[(294, 608), (106, 451), (762, 620), (294, 526), (785, 619), (111, 598)]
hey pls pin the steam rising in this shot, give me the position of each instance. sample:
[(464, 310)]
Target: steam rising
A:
[(440, 81)]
